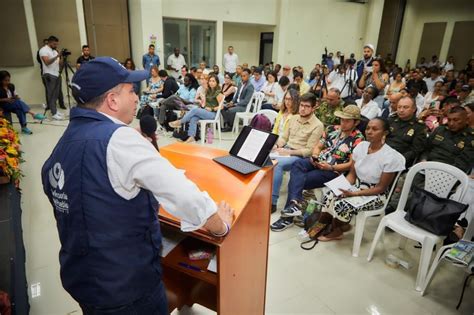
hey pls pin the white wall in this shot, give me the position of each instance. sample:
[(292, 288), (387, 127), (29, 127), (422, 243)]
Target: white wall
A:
[(307, 26), (246, 41), (419, 12)]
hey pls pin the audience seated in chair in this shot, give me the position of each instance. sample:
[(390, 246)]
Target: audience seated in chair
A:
[(242, 97), (155, 87), (374, 167), (368, 107), (291, 101), (304, 131), (207, 110), (182, 100), (258, 80), (452, 143), (10, 102), (303, 86), (228, 88), (327, 108), (330, 157), (273, 92)]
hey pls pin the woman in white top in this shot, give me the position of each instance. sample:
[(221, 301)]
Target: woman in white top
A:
[(369, 108), (434, 96), (375, 165), (273, 92)]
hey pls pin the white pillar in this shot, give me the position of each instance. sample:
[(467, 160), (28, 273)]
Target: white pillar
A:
[(219, 45), (448, 34), (374, 20), (81, 20)]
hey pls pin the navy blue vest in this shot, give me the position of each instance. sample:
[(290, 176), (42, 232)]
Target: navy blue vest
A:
[(109, 245)]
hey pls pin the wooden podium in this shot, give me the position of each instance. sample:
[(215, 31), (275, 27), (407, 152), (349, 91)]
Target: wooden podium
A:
[(239, 285)]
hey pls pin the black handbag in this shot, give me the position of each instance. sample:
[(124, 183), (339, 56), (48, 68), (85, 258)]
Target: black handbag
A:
[(432, 213)]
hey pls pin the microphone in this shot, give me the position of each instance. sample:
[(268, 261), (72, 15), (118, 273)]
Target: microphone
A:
[(148, 127)]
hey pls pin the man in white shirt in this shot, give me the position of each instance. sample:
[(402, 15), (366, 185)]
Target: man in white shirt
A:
[(51, 61), (104, 180), (434, 77), (231, 60), (175, 62)]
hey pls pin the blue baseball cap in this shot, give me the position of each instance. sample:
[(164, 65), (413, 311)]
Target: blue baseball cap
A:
[(97, 76)]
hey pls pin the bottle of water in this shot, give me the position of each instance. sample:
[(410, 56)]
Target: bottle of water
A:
[(311, 206), (210, 135)]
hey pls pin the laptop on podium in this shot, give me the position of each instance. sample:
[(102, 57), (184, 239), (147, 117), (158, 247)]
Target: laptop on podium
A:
[(250, 151)]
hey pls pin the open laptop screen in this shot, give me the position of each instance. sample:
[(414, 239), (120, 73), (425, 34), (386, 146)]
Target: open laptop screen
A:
[(253, 145)]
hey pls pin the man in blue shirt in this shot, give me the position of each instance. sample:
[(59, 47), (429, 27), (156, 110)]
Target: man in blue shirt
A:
[(149, 60), (258, 80)]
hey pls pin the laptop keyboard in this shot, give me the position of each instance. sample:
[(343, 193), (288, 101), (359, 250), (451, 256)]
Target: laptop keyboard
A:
[(238, 164)]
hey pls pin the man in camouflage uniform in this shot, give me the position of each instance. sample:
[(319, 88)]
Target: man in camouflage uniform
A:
[(332, 103)]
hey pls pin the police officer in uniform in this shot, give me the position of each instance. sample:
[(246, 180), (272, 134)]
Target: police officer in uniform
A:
[(104, 181), (407, 134), (452, 143)]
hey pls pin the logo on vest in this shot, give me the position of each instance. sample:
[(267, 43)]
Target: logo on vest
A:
[(56, 180)]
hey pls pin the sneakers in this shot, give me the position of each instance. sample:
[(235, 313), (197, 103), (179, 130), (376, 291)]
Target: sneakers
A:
[(26, 131), (58, 116), (39, 117), (292, 210), (281, 224)]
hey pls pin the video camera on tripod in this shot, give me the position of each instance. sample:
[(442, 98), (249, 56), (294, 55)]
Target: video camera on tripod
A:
[(65, 52)]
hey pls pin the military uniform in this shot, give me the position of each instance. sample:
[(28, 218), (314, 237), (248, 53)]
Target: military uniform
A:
[(456, 149), (407, 137), (325, 113)]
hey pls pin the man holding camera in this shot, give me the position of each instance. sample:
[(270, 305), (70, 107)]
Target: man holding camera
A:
[(366, 63), (52, 60)]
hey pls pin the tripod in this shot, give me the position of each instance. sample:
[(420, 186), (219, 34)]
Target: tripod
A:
[(349, 82), (322, 81), (68, 68)]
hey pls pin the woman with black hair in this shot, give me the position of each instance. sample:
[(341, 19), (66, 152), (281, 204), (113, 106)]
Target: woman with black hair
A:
[(10, 102), (374, 167)]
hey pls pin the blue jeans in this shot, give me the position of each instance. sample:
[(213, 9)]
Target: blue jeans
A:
[(194, 116), (304, 175), (155, 303), (19, 108), (284, 164)]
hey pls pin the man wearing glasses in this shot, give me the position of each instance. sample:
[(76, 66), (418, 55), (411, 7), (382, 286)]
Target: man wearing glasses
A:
[(297, 142)]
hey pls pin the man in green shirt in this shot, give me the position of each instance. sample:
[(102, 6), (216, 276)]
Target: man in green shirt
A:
[(332, 103)]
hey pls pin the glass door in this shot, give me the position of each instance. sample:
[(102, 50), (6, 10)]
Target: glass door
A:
[(195, 39), (203, 42)]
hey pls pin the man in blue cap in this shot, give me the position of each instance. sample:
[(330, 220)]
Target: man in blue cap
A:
[(104, 181)]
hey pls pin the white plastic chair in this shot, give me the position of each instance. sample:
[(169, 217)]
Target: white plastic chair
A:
[(440, 178), (443, 251), (216, 123), (270, 114), (252, 108), (362, 216)]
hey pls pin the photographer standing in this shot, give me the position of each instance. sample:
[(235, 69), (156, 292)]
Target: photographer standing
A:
[(366, 63), (52, 60)]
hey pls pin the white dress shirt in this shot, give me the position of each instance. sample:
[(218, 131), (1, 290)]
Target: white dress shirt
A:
[(230, 62), (133, 163)]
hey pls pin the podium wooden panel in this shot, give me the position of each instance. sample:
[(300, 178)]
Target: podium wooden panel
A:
[(240, 283)]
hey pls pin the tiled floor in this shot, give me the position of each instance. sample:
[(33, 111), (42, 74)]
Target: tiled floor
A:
[(326, 280)]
